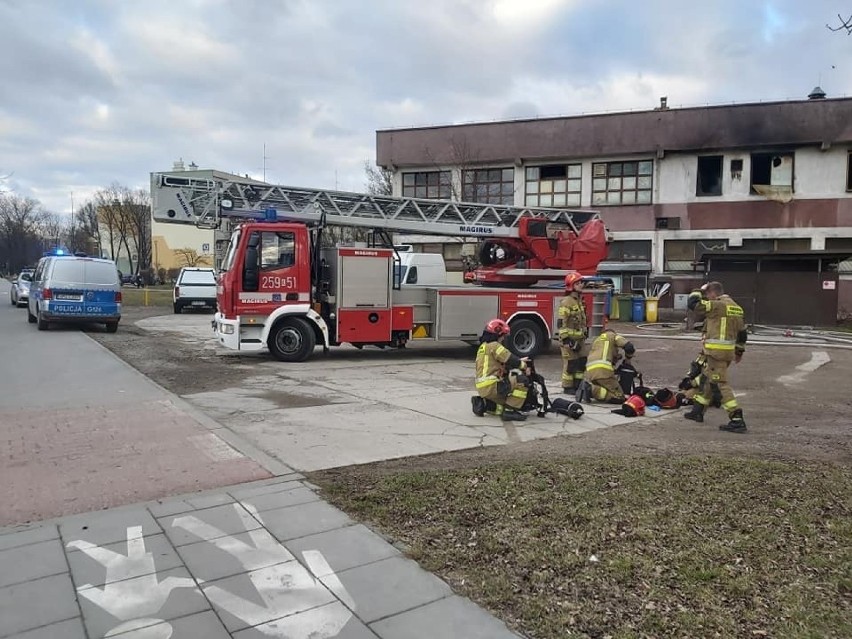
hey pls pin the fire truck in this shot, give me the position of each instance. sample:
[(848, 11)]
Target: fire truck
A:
[(280, 288)]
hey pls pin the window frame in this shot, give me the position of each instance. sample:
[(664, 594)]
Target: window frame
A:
[(262, 266), (573, 185), (475, 179), (621, 170), (428, 185), (702, 192), (770, 154), (849, 170)]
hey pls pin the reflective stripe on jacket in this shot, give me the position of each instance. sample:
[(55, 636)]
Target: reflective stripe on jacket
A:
[(572, 318), (604, 352), (492, 359), (723, 322)]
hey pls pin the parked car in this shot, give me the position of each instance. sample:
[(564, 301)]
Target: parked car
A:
[(20, 292), (195, 288), (71, 288)]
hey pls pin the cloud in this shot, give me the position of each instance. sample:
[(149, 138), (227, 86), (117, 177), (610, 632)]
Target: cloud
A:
[(96, 92)]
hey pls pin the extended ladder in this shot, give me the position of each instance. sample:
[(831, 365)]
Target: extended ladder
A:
[(204, 202)]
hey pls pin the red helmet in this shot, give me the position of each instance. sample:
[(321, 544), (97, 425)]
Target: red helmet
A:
[(666, 399), (498, 327), (571, 279), (634, 406)]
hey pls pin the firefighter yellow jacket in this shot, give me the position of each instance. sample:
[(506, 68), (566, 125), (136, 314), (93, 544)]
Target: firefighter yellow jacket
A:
[(572, 319), (492, 361), (604, 351), (724, 327)]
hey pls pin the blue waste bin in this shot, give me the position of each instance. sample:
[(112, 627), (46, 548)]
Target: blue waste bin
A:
[(638, 309)]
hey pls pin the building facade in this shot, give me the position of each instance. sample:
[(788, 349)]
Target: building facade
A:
[(672, 185), (174, 246)]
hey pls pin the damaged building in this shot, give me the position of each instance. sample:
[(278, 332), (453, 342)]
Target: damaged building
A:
[(674, 186)]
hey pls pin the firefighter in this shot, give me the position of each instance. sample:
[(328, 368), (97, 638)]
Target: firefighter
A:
[(573, 330), (724, 342), (600, 381), (494, 383), (694, 381)]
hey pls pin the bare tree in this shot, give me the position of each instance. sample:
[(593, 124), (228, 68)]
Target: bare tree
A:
[(83, 233), (52, 228), (845, 25), (190, 257), (125, 217), (20, 242), (379, 180)]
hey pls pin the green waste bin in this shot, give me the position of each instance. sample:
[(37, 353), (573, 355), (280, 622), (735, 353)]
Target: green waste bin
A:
[(624, 307)]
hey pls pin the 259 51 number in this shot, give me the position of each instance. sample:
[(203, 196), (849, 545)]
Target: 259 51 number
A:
[(276, 281)]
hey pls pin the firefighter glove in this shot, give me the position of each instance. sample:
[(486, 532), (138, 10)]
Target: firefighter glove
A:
[(685, 383), (693, 299)]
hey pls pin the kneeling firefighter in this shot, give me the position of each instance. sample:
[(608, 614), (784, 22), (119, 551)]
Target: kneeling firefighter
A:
[(601, 382), (498, 389)]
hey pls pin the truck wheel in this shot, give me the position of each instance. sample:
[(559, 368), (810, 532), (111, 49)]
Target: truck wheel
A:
[(43, 325), (527, 339), (292, 340), (112, 327), (178, 309)]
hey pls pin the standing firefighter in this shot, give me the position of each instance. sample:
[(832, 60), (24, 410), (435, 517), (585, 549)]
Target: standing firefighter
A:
[(601, 382), (573, 330), (724, 342), (494, 383)]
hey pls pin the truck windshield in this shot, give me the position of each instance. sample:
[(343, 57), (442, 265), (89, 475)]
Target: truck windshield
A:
[(232, 250)]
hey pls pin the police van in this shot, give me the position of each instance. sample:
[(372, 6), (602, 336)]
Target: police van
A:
[(74, 289)]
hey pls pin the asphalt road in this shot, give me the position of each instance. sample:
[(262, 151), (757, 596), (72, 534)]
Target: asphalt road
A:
[(81, 430)]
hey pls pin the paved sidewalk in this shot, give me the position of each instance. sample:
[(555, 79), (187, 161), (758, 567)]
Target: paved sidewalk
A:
[(264, 559)]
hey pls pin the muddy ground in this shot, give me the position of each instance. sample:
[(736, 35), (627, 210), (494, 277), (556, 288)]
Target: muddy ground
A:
[(805, 415)]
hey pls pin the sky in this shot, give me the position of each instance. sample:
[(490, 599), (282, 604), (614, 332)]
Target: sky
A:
[(96, 92)]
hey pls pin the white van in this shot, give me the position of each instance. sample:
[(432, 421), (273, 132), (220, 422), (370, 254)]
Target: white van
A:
[(422, 269)]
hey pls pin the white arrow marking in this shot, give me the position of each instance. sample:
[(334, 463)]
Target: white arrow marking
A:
[(818, 358)]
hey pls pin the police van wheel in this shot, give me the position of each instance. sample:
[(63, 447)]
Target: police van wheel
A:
[(30, 317), (527, 339), (112, 327), (43, 325), (292, 340)]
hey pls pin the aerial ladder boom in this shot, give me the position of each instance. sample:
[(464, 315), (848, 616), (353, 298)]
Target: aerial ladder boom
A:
[(523, 238)]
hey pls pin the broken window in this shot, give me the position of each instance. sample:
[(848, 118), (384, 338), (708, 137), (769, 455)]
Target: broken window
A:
[(489, 186), (615, 183), (553, 185), (709, 175), (771, 173), (434, 185)]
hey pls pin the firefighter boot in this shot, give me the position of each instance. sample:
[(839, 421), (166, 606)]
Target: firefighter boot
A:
[(478, 405), (512, 415), (569, 390), (736, 424), (696, 414), (584, 393)]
